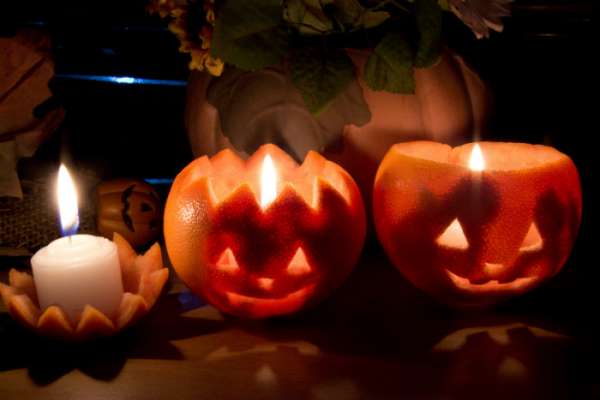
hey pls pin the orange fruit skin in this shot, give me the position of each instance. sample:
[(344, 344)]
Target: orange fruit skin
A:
[(416, 198), (199, 228)]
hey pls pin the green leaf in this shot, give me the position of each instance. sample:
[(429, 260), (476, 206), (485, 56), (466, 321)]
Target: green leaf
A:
[(429, 26), (320, 76), (347, 12), (307, 16), (352, 15), (313, 17), (249, 34), (390, 66), (371, 19)]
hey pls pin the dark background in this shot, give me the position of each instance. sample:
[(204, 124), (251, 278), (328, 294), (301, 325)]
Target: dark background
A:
[(542, 71)]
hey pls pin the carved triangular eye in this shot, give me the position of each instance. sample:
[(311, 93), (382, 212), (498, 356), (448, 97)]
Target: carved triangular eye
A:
[(533, 240), (298, 265), (227, 262), (453, 237)]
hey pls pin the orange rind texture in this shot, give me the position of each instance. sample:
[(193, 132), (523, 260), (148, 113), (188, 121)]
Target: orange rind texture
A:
[(143, 280), (474, 238), (257, 261)]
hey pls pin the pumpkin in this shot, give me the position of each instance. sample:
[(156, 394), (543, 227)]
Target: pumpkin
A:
[(129, 207), (256, 258), (450, 105), (473, 238)]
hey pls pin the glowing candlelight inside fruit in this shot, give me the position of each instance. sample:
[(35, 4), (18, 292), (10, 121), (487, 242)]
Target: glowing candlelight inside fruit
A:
[(471, 238), (77, 270), (268, 182), (454, 236), (476, 162), (264, 236)]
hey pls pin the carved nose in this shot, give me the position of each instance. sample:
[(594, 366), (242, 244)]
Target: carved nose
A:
[(493, 270), (265, 283)]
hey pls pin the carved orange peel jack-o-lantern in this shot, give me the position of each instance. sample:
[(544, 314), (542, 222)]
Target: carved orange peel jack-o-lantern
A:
[(473, 225), (265, 236)]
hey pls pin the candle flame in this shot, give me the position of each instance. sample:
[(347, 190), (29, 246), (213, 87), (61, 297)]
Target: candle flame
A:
[(476, 162), (67, 202), (268, 182)]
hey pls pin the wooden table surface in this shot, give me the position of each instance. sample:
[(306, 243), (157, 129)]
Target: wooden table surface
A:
[(376, 337)]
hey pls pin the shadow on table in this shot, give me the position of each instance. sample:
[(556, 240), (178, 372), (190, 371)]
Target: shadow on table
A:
[(102, 359), (376, 337), (385, 337)]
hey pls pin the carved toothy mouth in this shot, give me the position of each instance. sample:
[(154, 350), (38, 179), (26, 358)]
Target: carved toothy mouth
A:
[(283, 305), (516, 286)]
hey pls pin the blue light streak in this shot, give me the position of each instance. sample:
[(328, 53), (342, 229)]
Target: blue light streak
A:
[(123, 80), (159, 181)]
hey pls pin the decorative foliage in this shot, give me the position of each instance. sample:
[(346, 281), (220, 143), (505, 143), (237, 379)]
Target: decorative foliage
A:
[(320, 78), (249, 34), (389, 68), (310, 37), (481, 15), (315, 17), (429, 26), (192, 23)]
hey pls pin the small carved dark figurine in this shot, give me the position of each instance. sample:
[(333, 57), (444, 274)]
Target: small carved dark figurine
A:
[(129, 207)]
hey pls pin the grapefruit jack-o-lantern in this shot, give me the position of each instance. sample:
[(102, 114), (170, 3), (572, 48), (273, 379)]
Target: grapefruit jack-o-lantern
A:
[(475, 224), (265, 236)]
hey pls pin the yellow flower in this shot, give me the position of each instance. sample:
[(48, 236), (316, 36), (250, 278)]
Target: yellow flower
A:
[(209, 8), (210, 16), (198, 59), (205, 37), (197, 43), (161, 7), (214, 65), (177, 26)]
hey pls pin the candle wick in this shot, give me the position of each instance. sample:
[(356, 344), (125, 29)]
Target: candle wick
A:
[(70, 240)]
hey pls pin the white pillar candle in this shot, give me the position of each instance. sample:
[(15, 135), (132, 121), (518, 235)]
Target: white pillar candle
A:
[(77, 270)]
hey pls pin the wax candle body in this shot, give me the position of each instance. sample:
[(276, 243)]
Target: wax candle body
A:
[(78, 270)]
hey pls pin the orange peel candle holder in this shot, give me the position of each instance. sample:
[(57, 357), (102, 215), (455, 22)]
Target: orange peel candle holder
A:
[(266, 236), (83, 286), (143, 279), (475, 224)]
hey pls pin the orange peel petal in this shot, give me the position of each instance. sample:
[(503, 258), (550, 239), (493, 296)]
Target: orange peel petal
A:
[(132, 308), (54, 323), (93, 323), (149, 262), (152, 284), (6, 292), (24, 282), (22, 309)]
